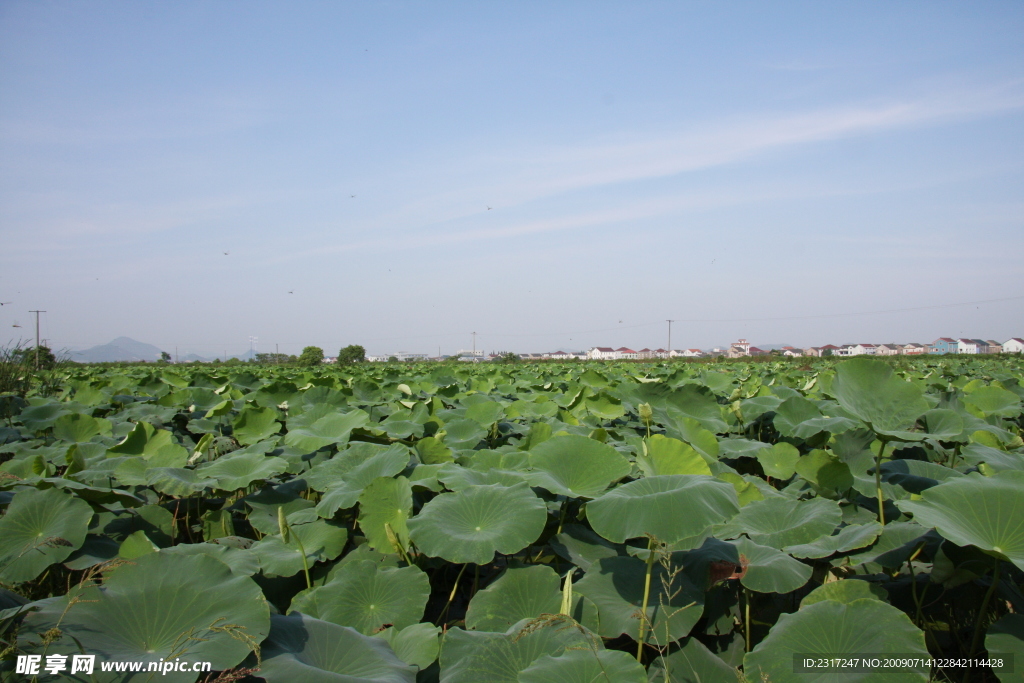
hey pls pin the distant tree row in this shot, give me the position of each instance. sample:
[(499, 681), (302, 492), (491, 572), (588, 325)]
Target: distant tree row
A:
[(314, 355)]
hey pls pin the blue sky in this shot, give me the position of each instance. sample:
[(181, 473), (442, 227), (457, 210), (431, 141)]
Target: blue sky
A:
[(766, 171)]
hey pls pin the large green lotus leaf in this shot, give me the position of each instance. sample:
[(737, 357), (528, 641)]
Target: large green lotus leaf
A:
[(997, 460), (871, 390), (990, 400), (320, 540), (484, 413), (669, 507), (817, 425), (825, 470), (792, 413), (740, 448), (463, 433), (831, 628), (386, 463), (844, 591), (367, 597), (77, 427), (981, 511), (238, 471), (39, 417), (770, 570), (239, 560), (417, 645), (697, 403), (897, 542), (154, 445), (432, 451), (456, 478), (849, 538), (604, 406), (178, 481), (1006, 637), (157, 606), (576, 466), (616, 586), (581, 546), (301, 648), (329, 473), (524, 593), (914, 476), (520, 593), (255, 424), (692, 432), (39, 528), (666, 455), (473, 524), (385, 501), (334, 428), (692, 663), (475, 656), (779, 522), (779, 461), (585, 666)]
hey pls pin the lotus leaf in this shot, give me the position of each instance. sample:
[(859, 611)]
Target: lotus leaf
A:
[(871, 390), (585, 666), (1006, 637), (576, 466), (368, 597), (301, 648), (328, 430), (975, 510), (770, 570), (474, 656), (385, 502), (692, 663), (255, 424), (40, 527), (161, 606), (778, 522), (666, 455), (844, 591), (616, 586), (669, 507), (417, 645), (238, 471), (830, 628)]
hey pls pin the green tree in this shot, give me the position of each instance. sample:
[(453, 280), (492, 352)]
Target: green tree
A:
[(311, 355), (353, 353), (29, 355), (165, 357)]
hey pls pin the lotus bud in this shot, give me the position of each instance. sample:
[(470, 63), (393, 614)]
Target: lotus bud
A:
[(646, 414), (282, 525), (393, 538)]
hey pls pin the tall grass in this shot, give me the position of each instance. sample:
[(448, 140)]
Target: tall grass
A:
[(20, 377)]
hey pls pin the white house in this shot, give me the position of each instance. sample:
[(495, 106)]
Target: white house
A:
[(1015, 345), (624, 352), (967, 346), (888, 350), (602, 353), (913, 349)]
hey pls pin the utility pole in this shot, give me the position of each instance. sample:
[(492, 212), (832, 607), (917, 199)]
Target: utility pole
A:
[(670, 337), (175, 354), (474, 344), (37, 336), (277, 354)]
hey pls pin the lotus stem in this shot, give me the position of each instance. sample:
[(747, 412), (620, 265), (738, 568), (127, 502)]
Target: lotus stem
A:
[(746, 610), (647, 595), (451, 596), (982, 611), (305, 562), (878, 481)]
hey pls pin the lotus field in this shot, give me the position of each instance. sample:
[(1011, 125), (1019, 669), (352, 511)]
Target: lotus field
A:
[(522, 522)]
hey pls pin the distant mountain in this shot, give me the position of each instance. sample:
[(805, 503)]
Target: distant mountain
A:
[(121, 349)]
